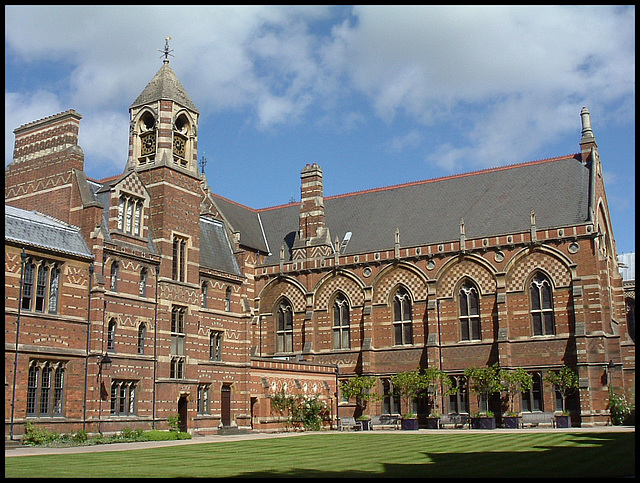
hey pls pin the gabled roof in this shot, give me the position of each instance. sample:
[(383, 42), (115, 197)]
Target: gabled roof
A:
[(165, 85), (492, 202), (42, 231)]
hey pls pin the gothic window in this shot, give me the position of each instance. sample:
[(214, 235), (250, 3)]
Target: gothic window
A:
[(284, 327), (142, 287), (147, 138), (541, 305), (130, 215), (142, 333), (341, 337), (390, 398), (114, 276), (40, 287), (227, 300), (45, 389), (203, 399), (177, 342), (469, 312), (123, 397), (402, 318), (111, 335), (532, 398), (180, 141), (27, 285), (203, 294), (179, 258), (215, 345), (459, 396)]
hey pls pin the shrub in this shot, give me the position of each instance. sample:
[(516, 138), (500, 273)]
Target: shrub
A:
[(174, 422), (621, 411), (37, 435)]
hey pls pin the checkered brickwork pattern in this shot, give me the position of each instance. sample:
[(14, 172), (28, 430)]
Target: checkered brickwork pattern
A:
[(132, 184), (467, 268), (284, 289), (343, 284), (413, 282), (516, 277)]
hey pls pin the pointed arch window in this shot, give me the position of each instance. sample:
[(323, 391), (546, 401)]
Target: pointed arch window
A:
[(111, 335), (284, 327), (541, 293), (41, 282), (341, 331), (180, 141), (147, 129), (469, 317), (114, 276), (45, 388), (27, 285), (402, 318), (227, 300), (203, 294), (142, 333)]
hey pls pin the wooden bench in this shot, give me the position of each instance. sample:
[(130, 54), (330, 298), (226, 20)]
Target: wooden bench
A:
[(457, 420), (537, 417), (349, 423), (385, 421)]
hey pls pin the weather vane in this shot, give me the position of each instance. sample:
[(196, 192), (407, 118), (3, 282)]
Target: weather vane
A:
[(166, 52), (203, 162)]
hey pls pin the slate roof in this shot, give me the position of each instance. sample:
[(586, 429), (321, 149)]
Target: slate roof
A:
[(41, 231), (244, 220), (165, 85), (492, 202), (215, 249)]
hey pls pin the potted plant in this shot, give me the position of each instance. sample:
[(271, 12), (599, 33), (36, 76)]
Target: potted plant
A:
[(408, 384), (359, 388), (514, 382), (484, 381), (565, 381), (433, 380)]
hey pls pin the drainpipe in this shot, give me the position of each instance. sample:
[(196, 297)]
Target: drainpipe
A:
[(337, 394), (440, 357), (23, 256), (155, 347), (86, 360)]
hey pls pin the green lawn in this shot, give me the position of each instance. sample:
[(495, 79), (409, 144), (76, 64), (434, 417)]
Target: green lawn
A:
[(378, 454)]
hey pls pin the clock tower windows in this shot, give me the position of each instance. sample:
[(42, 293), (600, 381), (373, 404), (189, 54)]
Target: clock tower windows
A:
[(181, 145), (147, 135)]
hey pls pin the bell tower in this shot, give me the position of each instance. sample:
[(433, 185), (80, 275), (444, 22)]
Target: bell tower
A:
[(163, 127)]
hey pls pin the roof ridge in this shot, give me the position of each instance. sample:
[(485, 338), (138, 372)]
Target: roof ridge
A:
[(453, 176), (253, 210)]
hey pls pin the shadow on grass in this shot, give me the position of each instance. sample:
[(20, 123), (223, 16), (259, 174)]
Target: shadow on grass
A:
[(596, 456)]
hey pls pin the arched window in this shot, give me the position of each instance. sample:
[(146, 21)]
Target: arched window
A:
[(541, 305), (227, 300), (54, 284), (27, 285), (459, 395), (402, 318), (111, 335), (203, 294), (32, 389), (142, 332), (532, 398), (114, 276), (341, 337), (215, 345), (469, 311), (284, 327), (142, 289)]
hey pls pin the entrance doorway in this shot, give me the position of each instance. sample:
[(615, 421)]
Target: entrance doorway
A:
[(182, 413), (226, 405)]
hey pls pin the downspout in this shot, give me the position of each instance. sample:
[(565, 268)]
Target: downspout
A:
[(155, 347), (86, 360), (337, 395), (23, 256), (440, 356)]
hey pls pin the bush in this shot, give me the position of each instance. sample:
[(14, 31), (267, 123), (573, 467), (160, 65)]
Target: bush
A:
[(621, 411), (37, 435), (174, 423)]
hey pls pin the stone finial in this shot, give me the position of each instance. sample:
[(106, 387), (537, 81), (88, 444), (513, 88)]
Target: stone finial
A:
[(587, 132)]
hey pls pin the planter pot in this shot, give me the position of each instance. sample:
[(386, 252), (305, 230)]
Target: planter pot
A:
[(483, 423), (366, 424), (410, 423), (433, 423), (511, 422), (563, 421)]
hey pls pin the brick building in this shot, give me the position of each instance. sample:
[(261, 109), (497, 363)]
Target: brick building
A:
[(181, 301)]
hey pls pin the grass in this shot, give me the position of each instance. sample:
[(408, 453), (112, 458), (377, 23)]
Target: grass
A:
[(382, 454)]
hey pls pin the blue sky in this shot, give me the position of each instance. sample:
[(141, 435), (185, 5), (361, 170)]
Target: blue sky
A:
[(377, 96)]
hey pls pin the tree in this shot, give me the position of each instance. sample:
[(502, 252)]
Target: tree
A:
[(565, 381), (484, 381), (359, 388), (513, 382), (432, 377), (408, 384)]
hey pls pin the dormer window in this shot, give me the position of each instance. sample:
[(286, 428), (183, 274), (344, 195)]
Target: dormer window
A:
[(130, 215)]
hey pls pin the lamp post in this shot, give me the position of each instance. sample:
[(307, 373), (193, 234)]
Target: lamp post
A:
[(104, 363)]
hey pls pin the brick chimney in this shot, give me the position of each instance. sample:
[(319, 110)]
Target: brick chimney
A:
[(313, 238), (45, 154)]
